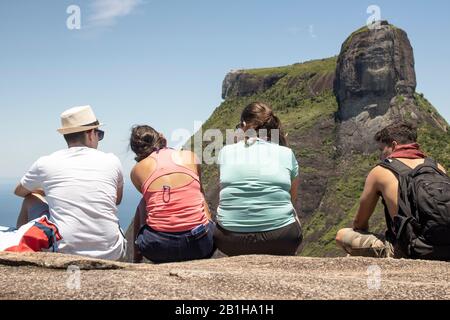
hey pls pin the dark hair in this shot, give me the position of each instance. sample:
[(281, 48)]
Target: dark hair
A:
[(258, 115), (401, 132), (79, 136), (76, 137), (145, 140)]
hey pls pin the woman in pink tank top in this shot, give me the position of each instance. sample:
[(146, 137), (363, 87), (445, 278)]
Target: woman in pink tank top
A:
[(172, 222)]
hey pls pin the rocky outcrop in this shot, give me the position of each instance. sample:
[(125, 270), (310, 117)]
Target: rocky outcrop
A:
[(373, 69), (242, 84), (322, 83), (246, 277)]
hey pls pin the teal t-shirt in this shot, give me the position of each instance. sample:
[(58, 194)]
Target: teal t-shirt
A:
[(255, 181)]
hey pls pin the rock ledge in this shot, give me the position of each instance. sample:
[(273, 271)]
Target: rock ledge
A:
[(43, 276)]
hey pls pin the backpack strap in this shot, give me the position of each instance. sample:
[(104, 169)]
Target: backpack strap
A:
[(396, 166), (431, 162), (434, 164), (401, 171)]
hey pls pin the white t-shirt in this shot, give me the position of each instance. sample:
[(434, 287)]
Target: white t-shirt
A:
[(81, 185)]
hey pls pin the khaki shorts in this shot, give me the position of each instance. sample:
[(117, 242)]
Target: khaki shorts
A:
[(366, 244)]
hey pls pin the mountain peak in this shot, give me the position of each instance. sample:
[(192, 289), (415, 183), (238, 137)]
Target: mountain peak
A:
[(373, 67)]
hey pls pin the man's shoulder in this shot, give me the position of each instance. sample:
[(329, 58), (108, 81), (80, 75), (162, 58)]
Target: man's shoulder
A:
[(55, 154), (107, 156), (379, 169), (49, 157), (94, 156), (381, 174), (46, 163), (91, 152), (441, 167)]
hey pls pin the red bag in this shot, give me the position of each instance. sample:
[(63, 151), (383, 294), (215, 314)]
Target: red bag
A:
[(37, 235)]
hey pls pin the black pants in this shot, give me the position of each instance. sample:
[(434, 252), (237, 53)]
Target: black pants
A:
[(282, 242)]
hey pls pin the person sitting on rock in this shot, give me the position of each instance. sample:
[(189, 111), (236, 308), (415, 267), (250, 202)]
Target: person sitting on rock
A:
[(79, 189), (259, 179), (172, 222), (412, 231)]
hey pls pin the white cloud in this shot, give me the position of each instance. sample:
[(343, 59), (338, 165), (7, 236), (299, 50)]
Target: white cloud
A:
[(106, 12)]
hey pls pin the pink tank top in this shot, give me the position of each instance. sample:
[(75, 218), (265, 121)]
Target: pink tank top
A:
[(173, 209)]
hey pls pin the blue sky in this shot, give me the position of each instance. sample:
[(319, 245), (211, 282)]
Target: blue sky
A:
[(162, 62)]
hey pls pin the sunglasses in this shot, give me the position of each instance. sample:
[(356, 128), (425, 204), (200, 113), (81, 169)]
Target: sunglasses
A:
[(100, 134)]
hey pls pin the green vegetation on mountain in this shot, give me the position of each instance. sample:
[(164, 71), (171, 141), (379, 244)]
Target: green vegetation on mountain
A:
[(332, 176)]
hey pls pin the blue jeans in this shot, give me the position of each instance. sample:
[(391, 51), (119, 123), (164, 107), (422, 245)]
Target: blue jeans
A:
[(164, 247), (38, 211)]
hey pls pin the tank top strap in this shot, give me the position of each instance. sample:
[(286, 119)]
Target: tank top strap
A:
[(165, 165)]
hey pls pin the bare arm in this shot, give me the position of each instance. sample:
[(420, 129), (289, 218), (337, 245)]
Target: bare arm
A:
[(368, 202), (23, 192), (135, 179), (442, 168)]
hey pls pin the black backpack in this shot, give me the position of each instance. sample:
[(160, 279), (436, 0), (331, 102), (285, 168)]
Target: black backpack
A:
[(422, 226)]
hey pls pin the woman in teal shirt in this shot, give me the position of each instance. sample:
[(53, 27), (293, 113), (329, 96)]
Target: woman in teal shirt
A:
[(259, 183)]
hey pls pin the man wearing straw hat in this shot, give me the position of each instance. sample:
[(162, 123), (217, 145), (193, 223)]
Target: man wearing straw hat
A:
[(79, 188)]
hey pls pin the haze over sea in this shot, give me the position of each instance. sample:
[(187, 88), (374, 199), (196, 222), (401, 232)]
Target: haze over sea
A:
[(10, 204)]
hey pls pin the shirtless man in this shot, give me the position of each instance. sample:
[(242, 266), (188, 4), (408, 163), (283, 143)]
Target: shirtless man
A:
[(397, 141)]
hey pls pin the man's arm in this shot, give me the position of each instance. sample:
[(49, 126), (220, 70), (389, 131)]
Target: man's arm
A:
[(119, 194), (23, 192), (119, 181), (442, 168), (368, 201), (31, 182)]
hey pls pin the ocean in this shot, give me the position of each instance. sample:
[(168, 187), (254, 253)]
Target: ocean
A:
[(10, 205)]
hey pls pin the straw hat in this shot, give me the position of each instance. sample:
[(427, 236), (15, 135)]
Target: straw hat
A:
[(78, 119)]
